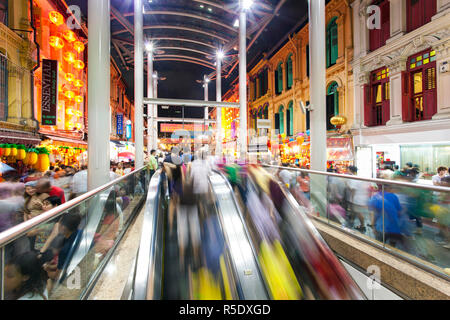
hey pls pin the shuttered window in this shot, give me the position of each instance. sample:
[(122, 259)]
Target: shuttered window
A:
[(419, 13), (332, 43), (289, 72), (3, 87), (378, 37), (377, 106), (422, 104)]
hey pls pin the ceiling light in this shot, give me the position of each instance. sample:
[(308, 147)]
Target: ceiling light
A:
[(149, 46), (220, 54), (207, 80), (210, 9), (236, 23), (202, 6), (155, 76), (246, 4)]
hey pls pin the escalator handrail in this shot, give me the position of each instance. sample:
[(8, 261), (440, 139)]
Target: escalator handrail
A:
[(144, 279), (247, 233), (21, 229)]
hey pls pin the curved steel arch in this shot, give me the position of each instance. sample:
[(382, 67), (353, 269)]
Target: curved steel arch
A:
[(184, 49), (210, 34), (185, 40), (184, 60), (183, 57), (187, 15)]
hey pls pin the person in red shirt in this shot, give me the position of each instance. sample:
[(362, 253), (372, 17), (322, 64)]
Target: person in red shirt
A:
[(45, 186)]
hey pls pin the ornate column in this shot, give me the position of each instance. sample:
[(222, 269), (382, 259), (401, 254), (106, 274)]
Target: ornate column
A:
[(395, 77), (364, 31), (361, 78), (341, 39), (443, 80)]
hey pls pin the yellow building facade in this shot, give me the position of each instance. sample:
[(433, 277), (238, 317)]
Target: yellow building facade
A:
[(280, 82), (17, 60)]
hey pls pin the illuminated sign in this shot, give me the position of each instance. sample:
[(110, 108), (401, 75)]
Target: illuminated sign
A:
[(119, 124), (129, 135), (49, 92), (172, 127)]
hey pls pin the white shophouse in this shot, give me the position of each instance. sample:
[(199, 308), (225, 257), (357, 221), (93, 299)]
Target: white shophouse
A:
[(402, 84)]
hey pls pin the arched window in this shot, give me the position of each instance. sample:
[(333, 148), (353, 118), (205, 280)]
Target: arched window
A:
[(266, 111), (281, 113), (332, 42), (289, 74), (332, 103), (279, 79)]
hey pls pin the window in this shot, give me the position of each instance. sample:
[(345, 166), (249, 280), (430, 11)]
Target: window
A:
[(422, 104), (279, 79), (281, 115), (332, 42), (255, 88), (419, 13), (378, 37), (377, 108), (3, 87), (332, 103), (4, 12), (289, 74), (277, 122), (265, 112), (307, 60)]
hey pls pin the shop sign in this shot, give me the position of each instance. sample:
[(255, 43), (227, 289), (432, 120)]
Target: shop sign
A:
[(49, 104), (340, 149), (119, 124), (172, 127), (263, 124)]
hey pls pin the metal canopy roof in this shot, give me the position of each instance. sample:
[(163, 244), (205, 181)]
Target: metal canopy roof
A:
[(189, 30)]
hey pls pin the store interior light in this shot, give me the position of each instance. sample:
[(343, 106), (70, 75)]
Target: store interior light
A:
[(207, 80), (56, 18)]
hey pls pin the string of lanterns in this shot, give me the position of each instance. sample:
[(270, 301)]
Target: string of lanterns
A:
[(37, 158)]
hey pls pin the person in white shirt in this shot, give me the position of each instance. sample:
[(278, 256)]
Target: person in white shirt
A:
[(79, 182), (441, 172)]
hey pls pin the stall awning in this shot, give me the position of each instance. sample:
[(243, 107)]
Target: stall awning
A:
[(19, 137), (62, 139)]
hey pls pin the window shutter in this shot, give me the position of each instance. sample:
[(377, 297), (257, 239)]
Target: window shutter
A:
[(277, 90), (368, 118), (386, 107), (280, 79), (430, 10), (328, 48), (429, 94), (407, 113), (277, 122), (334, 43), (385, 23)]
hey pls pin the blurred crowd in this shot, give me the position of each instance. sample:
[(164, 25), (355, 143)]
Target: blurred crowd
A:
[(415, 220)]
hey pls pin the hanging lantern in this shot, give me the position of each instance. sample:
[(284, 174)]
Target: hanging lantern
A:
[(7, 150), (33, 157), (300, 140), (60, 88), (78, 46), (78, 83), (79, 64), (13, 150), (338, 121), (69, 36), (43, 160), (78, 126), (56, 18), (21, 153), (56, 42), (69, 77), (79, 99), (69, 95), (79, 114), (69, 57), (69, 111), (27, 157)]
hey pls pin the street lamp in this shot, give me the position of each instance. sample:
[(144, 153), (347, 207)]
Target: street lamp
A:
[(246, 4)]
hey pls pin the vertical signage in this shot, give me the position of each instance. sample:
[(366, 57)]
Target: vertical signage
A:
[(119, 124), (49, 104), (128, 128)]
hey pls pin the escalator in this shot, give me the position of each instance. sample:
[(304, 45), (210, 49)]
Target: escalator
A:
[(224, 266)]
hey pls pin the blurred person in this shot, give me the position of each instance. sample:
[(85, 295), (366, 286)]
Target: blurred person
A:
[(152, 162), (393, 219), (441, 210), (79, 182), (123, 199), (25, 278), (387, 173), (200, 169), (11, 204), (33, 205), (285, 175), (69, 230), (303, 182), (358, 198), (44, 186), (119, 170), (441, 173)]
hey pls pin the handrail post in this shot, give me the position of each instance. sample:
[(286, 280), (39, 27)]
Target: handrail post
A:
[(2, 279), (382, 212)]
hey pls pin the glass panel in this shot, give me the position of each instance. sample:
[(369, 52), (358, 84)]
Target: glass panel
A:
[(413, 66), (418, 105), (387, 93), (426, 55), (383, 72), (425, 61), (419, 58), (432, 53), (418, 84), (384, 76), (419, 63), (433, 59)]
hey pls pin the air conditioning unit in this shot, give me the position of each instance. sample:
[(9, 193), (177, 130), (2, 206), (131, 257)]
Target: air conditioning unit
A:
[(445, 67)]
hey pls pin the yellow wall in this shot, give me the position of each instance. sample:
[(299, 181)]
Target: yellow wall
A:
[(341, 72)]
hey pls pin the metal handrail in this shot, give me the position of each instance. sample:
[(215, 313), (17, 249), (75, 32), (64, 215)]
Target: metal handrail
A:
[(19, 230), (373, 180)]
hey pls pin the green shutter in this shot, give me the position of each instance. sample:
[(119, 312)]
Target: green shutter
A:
[(280, 78), (334, 43), (291, 118), (289, 75), (281, 121)]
